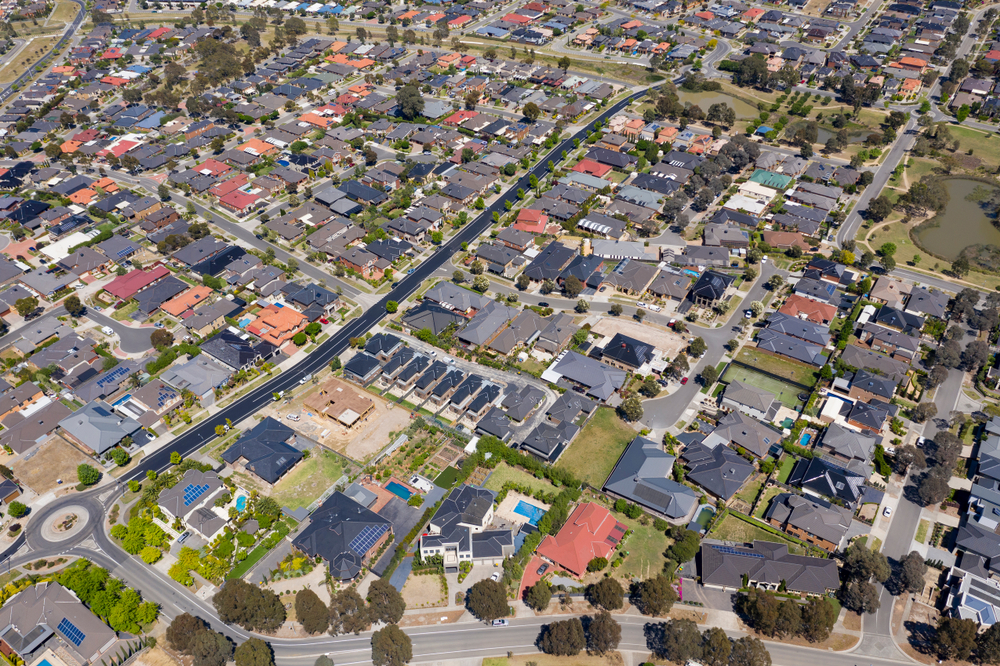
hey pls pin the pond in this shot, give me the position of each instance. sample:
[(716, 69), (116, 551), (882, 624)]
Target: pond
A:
[(823, 134), (743, 110), (962, 223)]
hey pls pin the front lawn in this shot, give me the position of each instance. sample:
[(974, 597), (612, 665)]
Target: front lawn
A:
[(645, 548), (310, 479), (786, 368), (732, 528), (594, 452), (922, 530)]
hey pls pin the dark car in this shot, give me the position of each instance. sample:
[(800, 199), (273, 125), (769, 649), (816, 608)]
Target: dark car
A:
[(542, 569)]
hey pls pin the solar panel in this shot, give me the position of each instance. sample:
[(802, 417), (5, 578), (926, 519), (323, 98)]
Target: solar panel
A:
[(729, 550), (192, 492), (112, 376), (362, 543), (69, 630), (652, 495)]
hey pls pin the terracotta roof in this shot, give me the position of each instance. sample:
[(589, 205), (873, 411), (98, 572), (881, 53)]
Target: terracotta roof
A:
[(590, 532)]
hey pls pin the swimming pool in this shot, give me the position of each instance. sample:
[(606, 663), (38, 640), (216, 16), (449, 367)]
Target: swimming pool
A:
[(804, 440), (529, 511), (243, 322), (241, 503), (398, 490), (43, 662), (119, 401)]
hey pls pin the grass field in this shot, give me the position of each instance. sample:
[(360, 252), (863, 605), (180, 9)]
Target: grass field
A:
[(922, 530), (645, 550), (310, 479), (27, 57), (748, 493), (765, 501), (787, 368), (504, 473), (984, 145), (731, 528), (64, 13), (786, 393), (594, 452), (785, 469)]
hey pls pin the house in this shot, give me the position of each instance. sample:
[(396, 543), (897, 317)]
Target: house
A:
[(487, 324), (558, 331), (820, 478), (199, 375), (929, 302), (235, 352), (805, 308), (362, 368), (277, 325), (810, 519), (548, 440), (626, 353), (853, 449), (19, 398), (750, 400), (644, 475), (899, 320), (740, 431), (817, 290), (766, 565), (591, 531), (192, 501), (46, 609), (599, 380), (710, 288), (452, 297), (867, 386), (859, 357), (338, 401), (896, 344), (720, 471), (266, 451), (774, 342), (345, 534), (458, 531), (21, 433), (96, 428)]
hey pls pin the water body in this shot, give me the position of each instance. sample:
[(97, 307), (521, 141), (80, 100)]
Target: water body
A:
[(962, 223), (707, 99), (823, 134)]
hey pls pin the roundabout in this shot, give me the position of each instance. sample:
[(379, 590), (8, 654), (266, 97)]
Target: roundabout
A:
[(64, 524)]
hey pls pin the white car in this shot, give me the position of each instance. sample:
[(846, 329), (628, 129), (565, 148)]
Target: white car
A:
[(763, 259), (107, 330), (887, 511), (640, 304), (495, 577), (292, 417)]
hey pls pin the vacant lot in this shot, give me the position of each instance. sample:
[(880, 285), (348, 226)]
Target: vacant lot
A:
[(27, 57), (424, 592), (732, 528), (785, 393), (800, 373), (594, 452), (64, 13), (504, 473), (309, 480), (661, 337), (645, 551), (54, 460)]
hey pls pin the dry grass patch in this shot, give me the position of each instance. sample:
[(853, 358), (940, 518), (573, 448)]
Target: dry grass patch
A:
[(425, 591), (54, 460)]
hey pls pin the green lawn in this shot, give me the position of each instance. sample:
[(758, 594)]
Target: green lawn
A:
[(504, 473), (645, 550), (749, 492), (125, 312), (594, 452), (782, 367), (732, 528), (786, 393), (253, 557), (765, 501), (310, 479), (446, 479), (985, 146), (922, 530), (785, 470)]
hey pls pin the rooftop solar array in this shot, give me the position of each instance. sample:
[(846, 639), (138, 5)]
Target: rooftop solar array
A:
[(69, 630), (362, 543), (112, 376), (729, 550), (193, 491)]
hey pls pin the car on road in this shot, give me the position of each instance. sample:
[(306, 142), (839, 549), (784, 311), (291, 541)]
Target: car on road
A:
[(500, 623), (543, 304), (748, 314), (305, 379), (259, 237), (495, 577), (887, 511), (409, 271), (684, 380), (763, 259), (542, 569), (640, 304)]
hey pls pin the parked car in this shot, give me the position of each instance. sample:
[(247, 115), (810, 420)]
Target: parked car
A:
[(684, 380), (324, 320), (887, 511), (542, 569), (292, 417), (495, 577), (107, 330), (183, 537)]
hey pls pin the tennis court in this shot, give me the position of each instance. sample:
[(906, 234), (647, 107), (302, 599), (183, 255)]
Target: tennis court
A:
[(786, 393)]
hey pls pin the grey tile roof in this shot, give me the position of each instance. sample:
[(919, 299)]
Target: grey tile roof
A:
[(883, 387), (770, 563), (739, 429), (749, 395), (600, 379), (173, 499), (859, 357), (519, 402), (96, 426), (848, 443), (490, 319), (786, 345), (644, 474), (721, 471), (548, 440), (332, 530), (812, 515), (266, 450), (817, 334), (199, 375)]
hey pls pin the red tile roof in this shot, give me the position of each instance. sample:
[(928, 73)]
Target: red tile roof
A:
[(128, 285), (590, 532), (814, 311)]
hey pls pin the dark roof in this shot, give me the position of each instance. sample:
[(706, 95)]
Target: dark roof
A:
[(721, 471), (877, 384), (361, 365), (712, 285), (152, 297), (548, 440), (826, 479), (431, 316), (338, 532), (266, 450), (628, 351), (231, 349), (767, 562), (550, 262), (644, 474)]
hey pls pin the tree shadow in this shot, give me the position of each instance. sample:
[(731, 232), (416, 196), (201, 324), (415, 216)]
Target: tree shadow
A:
[(920, 636), (655, 633)]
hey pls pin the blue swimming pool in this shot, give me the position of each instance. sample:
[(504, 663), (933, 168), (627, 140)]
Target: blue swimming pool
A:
[(241, 503), (398, 490), (243, 322), (529, 511), (117, 402), (43, 662), (804, 440)]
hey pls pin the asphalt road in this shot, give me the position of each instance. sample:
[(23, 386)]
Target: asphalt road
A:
[(30, 72)]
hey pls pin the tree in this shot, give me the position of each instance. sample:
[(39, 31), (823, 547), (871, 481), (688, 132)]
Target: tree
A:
[(606, 593), (572, 286), (749, 651), (410, 101), (17, 509), (385, 603), (756, 308), (681, 641), (538, 595), (531, 111), (697, 347), (988, 645), (564, 638), (879, 208), (709, 375), (961, 267), (859, 596), (716, 647), (161, 339), (210, 648), (181, 632), (564, 63), (458, 277), (73, 305), (887, 263), (25, 306), (477, 267), (955, 638), (616, 309), (348, 613), (649, 387), (630, 408), (911, 572), (481, 283), (932, 487), (582, 306), (863, 563), (818, 618), (761, 608), (684, 548), (323, 660), (936, 376), (87, 475), (391, 307), (789, 618), (975, 356), (254, 651), (775, 282), (487, 600), (254, 609), (656, 596), (603, 633), (906, 456), (523, 281), (311, 612), (391, 647)]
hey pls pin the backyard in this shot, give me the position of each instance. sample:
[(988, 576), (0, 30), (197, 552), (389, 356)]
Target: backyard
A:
[(310, 479), (732, 528), (594, 452), (765, 501), (785, 393), (793, 371), (785, 468), (505, 473)]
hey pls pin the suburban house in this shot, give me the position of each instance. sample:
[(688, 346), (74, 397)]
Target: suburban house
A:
[(644, 475), (590, 531), (192, 501), (811, 519), (265, 451), (766, 565), (458, 531), (345, 534), (97, 428)]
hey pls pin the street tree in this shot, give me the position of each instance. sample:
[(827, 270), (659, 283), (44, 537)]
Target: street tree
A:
[(385, 603), (73, 305), (603, 633), (655, 596), (630, 408), (818, 618), (681, 641), (749, 651), (481, 283), (716, 646), (210, 648), (254, 652), (538, 595), (391, 647), (607, 593), (487, 600), (565, 638), (348, 613), (911, 572), (181, 631), (955, 638), (311, 612)]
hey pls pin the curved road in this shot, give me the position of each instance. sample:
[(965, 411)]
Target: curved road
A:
[(30, 72)]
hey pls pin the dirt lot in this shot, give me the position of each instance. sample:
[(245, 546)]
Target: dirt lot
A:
[(55, 459), (359, 443), (661, 337), (155, 657), (424, 592)]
